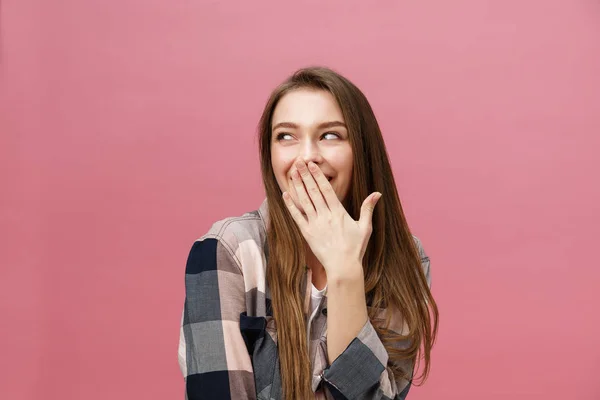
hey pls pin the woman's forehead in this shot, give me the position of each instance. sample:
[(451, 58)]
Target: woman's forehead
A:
[(307, 107)]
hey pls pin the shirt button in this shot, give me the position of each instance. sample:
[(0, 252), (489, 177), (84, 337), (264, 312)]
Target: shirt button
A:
[(324, 311)]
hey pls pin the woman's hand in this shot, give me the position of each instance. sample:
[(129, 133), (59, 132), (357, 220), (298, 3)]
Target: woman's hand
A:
[(337, 240)]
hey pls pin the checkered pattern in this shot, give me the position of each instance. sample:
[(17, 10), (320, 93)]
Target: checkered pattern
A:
[(228, 337)]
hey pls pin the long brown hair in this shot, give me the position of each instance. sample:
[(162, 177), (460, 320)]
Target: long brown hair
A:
[(394, 279)]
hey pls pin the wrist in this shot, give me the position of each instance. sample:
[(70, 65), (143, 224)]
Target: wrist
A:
[(351, 273)]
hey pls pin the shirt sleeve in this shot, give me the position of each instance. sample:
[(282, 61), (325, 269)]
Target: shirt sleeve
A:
[(212, 354), (361, 371)]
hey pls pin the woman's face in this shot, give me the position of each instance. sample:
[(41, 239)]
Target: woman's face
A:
[(307, 125)]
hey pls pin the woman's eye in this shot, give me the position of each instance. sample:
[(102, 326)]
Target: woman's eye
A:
[(281, 136), (332, 135)]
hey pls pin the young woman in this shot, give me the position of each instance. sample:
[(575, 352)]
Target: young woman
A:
[(323, 292)]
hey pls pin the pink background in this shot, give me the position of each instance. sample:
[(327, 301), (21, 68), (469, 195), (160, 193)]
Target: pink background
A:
[(128, 127)]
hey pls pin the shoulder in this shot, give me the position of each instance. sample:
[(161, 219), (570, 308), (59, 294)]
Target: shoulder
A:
[(234, 236), (233, 231), (420, 249), (425, 263)]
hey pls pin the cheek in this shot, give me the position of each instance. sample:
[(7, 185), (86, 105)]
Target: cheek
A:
[(342, 162), (280, 165), (343, 165), (276, 163)]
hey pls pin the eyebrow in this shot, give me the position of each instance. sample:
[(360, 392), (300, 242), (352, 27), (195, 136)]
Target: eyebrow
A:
[(323, 125)]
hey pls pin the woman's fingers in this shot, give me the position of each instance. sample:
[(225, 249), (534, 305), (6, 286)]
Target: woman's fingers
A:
[(324, 186), (314, 191), (296, 214), (366, 211), (303, 198)]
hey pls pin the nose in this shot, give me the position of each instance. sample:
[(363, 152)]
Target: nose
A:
[(310, 152)]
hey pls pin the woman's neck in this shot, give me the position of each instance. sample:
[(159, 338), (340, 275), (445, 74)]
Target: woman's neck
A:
[(319, 277)]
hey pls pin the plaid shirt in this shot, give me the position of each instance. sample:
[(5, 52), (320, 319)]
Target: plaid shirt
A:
[(228, 337)]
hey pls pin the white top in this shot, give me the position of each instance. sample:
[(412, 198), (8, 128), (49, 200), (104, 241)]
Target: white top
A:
[(315, 297)]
